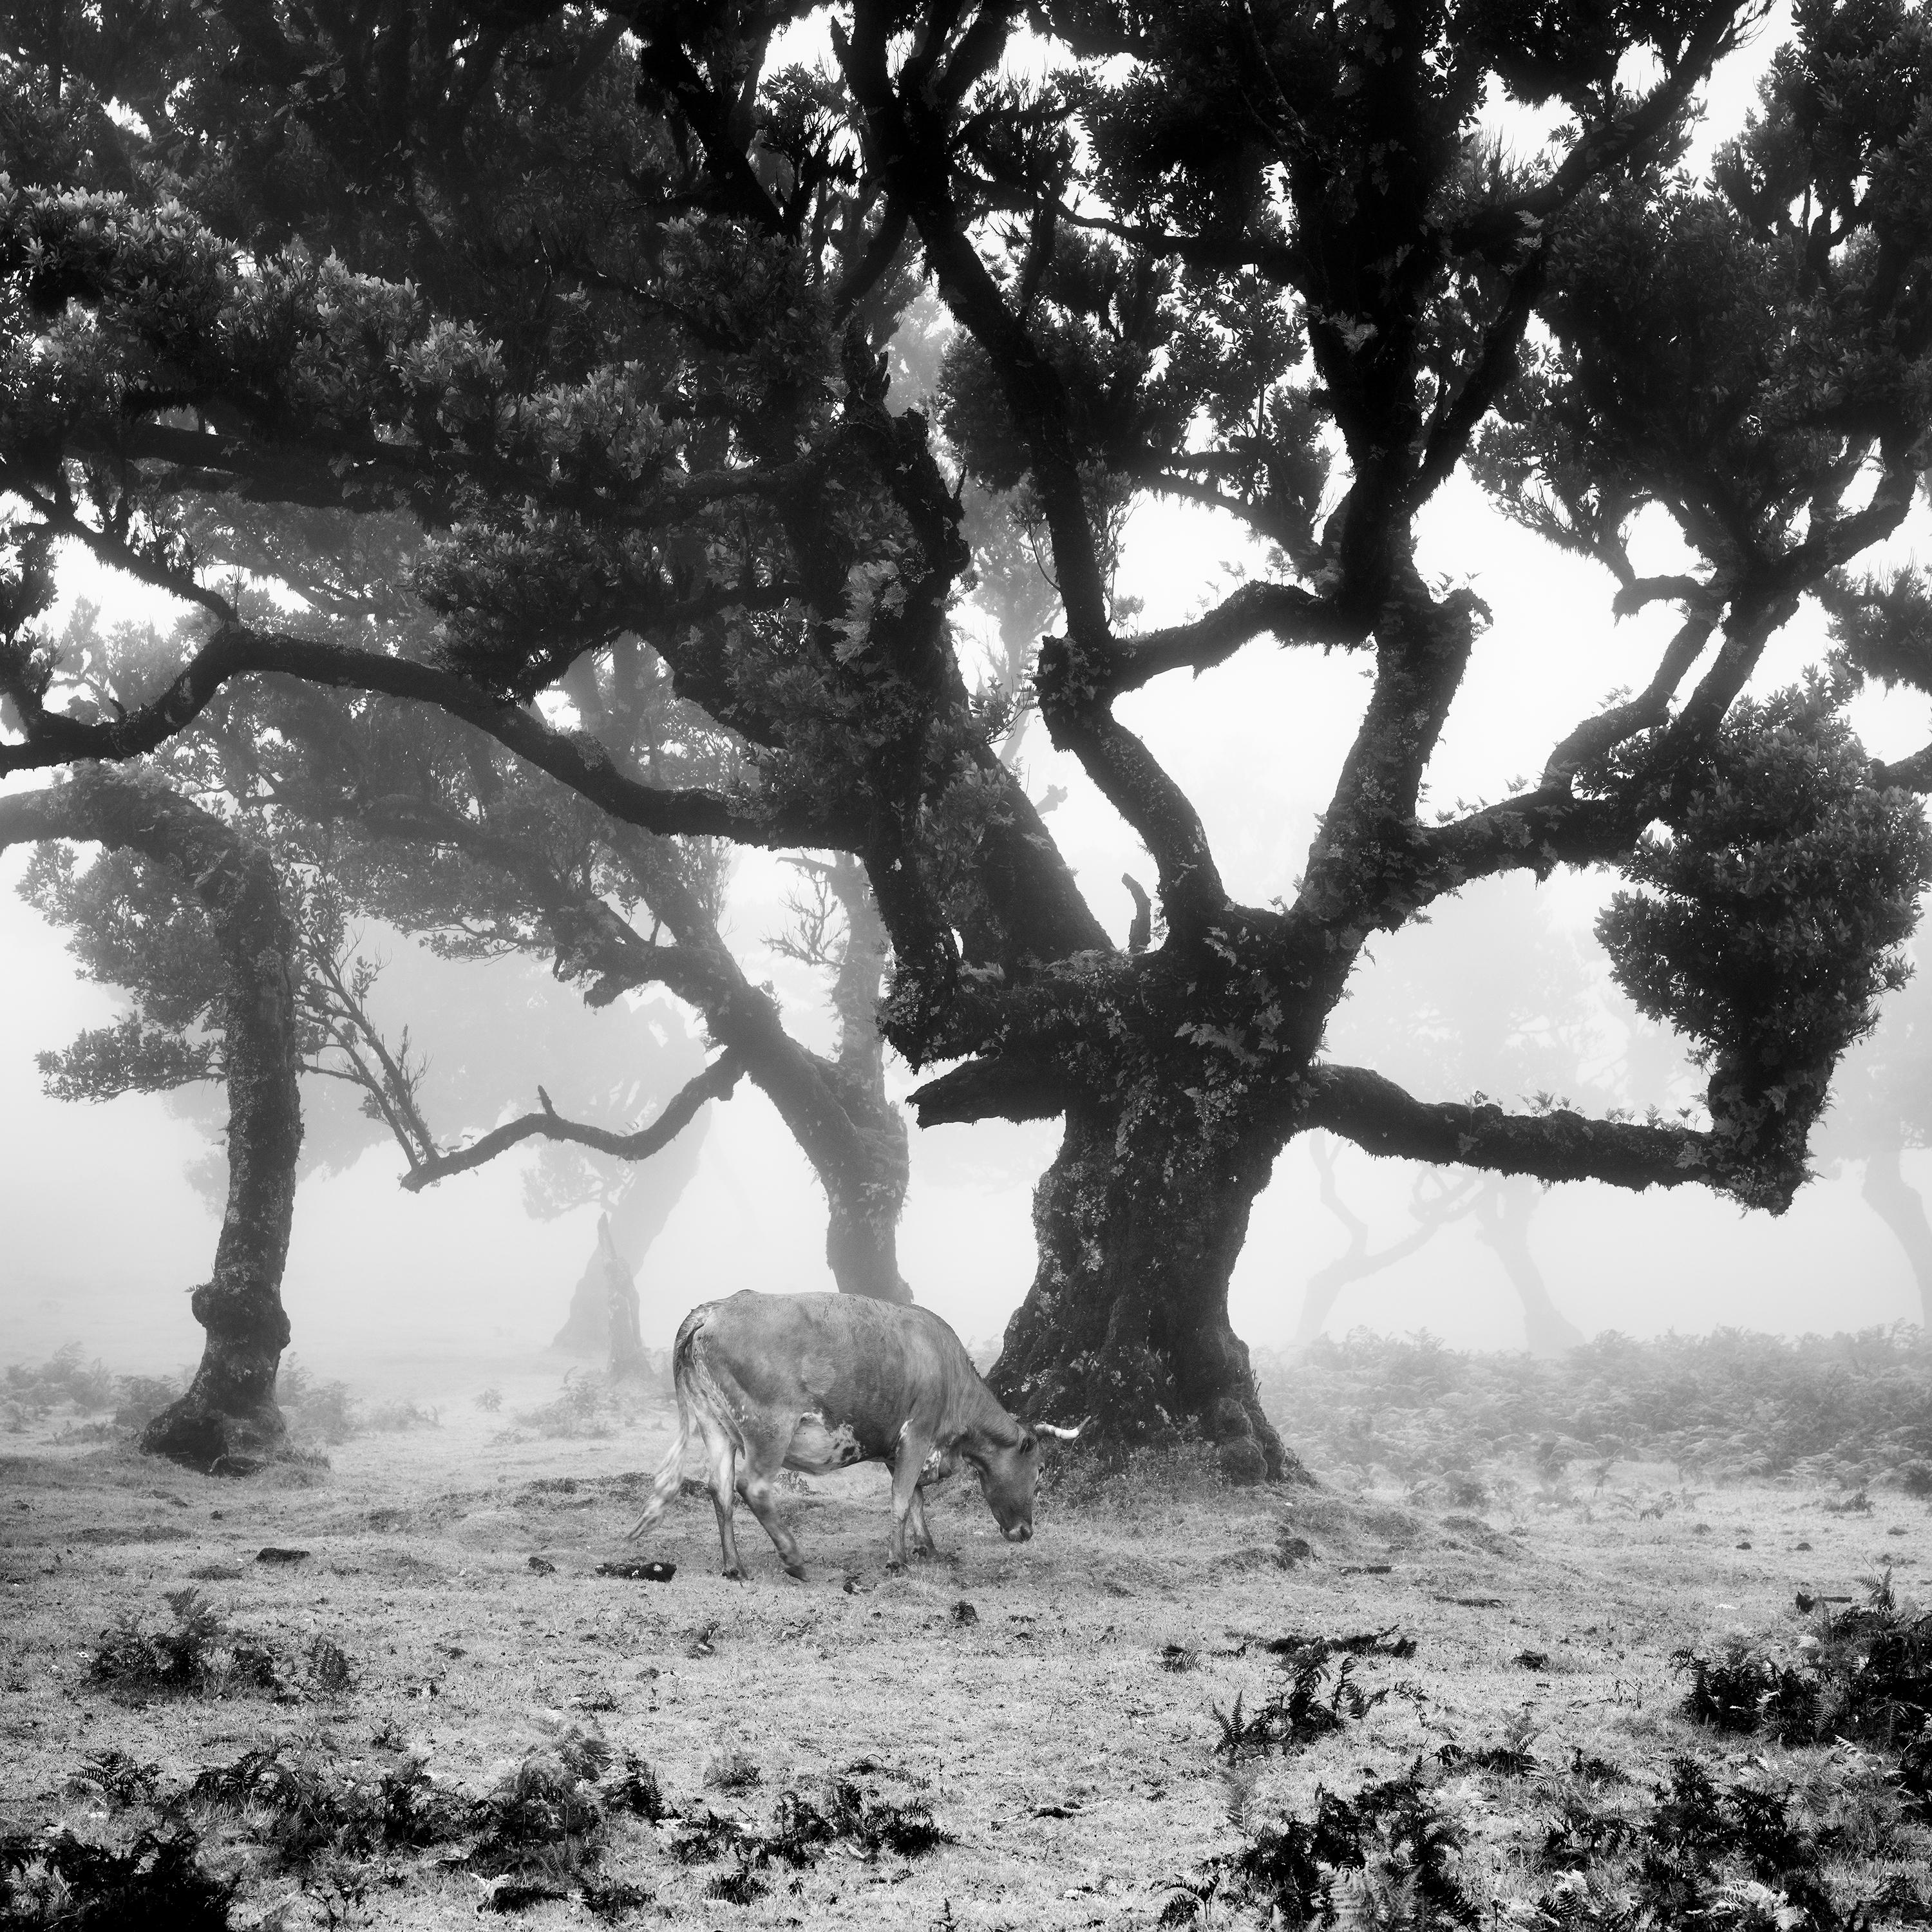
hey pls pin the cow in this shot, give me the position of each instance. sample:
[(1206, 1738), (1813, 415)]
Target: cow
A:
[(816, 1382)]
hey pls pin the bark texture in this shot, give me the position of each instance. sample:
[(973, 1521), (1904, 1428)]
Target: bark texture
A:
[(866, 1170), (228, 1420), (1126, 1327), (1902, 1208)]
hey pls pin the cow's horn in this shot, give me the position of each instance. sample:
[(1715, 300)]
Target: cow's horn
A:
[(1059, 1435)]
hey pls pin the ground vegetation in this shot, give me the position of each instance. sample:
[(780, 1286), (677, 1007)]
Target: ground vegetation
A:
[(1040, 1735), (604, 304)]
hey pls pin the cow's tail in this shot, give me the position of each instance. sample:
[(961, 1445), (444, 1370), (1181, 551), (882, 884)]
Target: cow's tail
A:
[(671, 1470)]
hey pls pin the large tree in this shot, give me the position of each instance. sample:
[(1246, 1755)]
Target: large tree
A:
[(603, 299), (192, 891)]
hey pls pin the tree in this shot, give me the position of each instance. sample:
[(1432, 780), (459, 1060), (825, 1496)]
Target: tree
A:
[(1882, 1108), (240, 1023), (605, 304)]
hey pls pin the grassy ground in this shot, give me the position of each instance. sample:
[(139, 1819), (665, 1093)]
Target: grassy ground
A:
[(1054, 1705)]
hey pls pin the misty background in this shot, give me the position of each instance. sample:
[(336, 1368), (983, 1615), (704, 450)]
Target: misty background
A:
[(1504, 992)]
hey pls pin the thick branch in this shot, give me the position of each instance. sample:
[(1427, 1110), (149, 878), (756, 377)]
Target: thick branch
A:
[(715, 1083), (907, 138), (236, 649), (1364, 1107), (994, 1089), (1294, 615)]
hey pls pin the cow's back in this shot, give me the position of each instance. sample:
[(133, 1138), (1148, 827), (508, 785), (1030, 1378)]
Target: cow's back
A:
[(854, 1363)]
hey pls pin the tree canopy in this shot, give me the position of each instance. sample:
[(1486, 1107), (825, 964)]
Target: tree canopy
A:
[(602, 302)]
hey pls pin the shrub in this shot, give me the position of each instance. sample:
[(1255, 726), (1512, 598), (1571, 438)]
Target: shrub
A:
[(546, 1809), (393, 1418), (589, 1407), (736, 1771), (142, 1398), (1390, 1844), (119, 1779), (61, 1883), (64, 1376), (328, 1666), (636, 1790), (1297, 1714), (324, 1410), (196, 1655), (1865, 1676), (308, 1802), (868, 1824), (1731, 1404)]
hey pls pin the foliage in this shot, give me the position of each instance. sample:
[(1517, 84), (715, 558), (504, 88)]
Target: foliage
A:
[(196, 1654), (866, 1823), (1296, 1713), (304, 1802), (57, 1882), (119, 1779), (1863, 1674), (65, 1376), (589, 1407), (1391, 1845), (1742, 937), (1613, 1855), (1730, 1405), (545, 1808)]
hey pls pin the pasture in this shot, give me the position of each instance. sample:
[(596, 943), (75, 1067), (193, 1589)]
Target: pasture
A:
[(449, 1709)]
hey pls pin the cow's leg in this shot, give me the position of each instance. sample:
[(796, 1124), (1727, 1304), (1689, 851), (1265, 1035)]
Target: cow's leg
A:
[(908, 1465), (722, 1461), (916, 1515), (764, 1456)]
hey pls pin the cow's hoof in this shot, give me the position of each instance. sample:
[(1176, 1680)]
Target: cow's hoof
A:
[(894, 1566), (796, 1571), (734, 1576)]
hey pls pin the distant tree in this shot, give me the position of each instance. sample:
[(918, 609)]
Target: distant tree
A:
[(1465, 1025), (200, 931), (606, 303), (388, 814), (1881, 1108)]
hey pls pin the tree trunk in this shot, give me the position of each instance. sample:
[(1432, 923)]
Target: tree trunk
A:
[(639, 1217), (620, 1301), (865, 1176), (1902, 1208), (861, 1237), (1503, 1212), (228, 1420), (1125, 1327)]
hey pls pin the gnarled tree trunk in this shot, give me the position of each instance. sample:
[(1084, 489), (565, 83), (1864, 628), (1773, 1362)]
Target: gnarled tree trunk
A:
[(1902, 1208), (866, 1168), (227, 1420), (1125, 1326)]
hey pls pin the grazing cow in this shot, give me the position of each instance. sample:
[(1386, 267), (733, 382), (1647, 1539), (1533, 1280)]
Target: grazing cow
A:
[(819, 1382)]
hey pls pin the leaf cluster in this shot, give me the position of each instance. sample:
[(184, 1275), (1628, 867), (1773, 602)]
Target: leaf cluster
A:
[(1771, 906)]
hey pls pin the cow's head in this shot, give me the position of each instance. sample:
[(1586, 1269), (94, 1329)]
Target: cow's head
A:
[(1008, 1471)]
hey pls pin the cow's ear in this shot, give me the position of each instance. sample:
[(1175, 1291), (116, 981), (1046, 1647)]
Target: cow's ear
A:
[(1029, 1442)]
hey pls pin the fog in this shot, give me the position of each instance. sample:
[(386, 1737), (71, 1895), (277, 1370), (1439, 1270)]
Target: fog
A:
[(104, 1230)]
